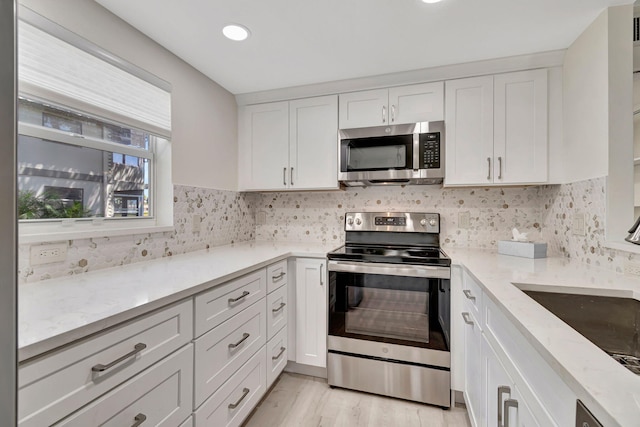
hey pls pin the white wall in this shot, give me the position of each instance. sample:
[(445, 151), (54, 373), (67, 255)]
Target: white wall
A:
[(204, 114), (586, 103)]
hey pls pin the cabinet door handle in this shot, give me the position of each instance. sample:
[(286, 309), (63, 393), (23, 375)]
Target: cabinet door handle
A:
[(139, 419), (467, 293), (499, 167), (502, 390), (277, 356), (384, 114), (489, 169), (508, 404), (393, 113), (244, 337), (279, 276), (275, 310), (321, 275), (284, 176), (136, 349), (244, 295), (467, 318), (245, 391), (291, 180)]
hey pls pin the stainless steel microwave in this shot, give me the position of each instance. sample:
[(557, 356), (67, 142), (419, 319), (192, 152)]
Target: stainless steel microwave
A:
[(392, 155)]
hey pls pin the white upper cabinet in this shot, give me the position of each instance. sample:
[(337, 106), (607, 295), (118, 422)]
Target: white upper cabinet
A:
[(289, 145), (313, 147), (497, 129), (397, 105), (263, 142)]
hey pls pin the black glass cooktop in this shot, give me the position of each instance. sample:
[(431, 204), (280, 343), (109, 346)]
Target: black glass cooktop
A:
[(391, 254)]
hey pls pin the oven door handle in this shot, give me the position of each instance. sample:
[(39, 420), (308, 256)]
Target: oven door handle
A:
[(426, 271)]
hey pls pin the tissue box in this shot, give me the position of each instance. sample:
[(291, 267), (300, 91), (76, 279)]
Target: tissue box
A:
[(522, 249)]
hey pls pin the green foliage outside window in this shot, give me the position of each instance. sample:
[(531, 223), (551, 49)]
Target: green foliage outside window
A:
[(48, 206)]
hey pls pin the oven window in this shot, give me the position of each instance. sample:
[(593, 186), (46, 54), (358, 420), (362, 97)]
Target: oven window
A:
[(390, 313)]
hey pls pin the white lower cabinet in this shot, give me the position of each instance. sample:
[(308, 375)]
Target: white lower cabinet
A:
[(311, 312), (276, 356), (507, 383), (223, 350), (235, 400), (159, 396), (188, 423)]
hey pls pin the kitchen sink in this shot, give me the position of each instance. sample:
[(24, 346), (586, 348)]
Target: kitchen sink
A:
[(611, 323)]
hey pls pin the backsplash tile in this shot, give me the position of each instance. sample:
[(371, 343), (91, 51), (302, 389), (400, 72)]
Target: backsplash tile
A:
[(226, 217), (319, 216), (544, 212)]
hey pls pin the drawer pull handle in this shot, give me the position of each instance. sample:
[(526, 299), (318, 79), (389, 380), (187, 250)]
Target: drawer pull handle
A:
[(136, 349), (502, 390), (275, 310), (139, 419), (244, 337), (509, 403), (467, 318), (279, 276), (467, 293), (245, 391), (244, 295), (277, 356)]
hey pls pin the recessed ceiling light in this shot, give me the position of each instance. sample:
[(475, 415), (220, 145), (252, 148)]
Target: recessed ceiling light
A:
[(431, 1), (235, 32)]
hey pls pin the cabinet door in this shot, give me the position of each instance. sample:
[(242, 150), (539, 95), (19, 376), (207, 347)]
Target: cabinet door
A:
[(263, 146), (416, 103), (311, 312), (313, 152), (474, 381), (520, 132), (362, 109), (469, 131)]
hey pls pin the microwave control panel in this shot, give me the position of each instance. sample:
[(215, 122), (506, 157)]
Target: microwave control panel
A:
[(430, 150)]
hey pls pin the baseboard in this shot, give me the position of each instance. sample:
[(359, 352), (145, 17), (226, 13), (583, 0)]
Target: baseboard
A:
[(313, 371)]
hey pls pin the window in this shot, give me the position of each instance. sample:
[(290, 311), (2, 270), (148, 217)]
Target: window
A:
[(94, 156), (72, 165)]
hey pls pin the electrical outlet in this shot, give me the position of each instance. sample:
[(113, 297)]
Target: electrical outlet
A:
[(47, 254), (197, 220), (631, 267), (464, 220), (578, 225)]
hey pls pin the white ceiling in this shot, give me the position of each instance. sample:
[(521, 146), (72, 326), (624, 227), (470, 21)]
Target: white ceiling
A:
[(299, 42)]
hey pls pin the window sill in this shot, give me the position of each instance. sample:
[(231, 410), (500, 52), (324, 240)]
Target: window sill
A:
[(40, 233)]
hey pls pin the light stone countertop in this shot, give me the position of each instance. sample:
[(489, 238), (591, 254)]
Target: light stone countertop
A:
[(56, 312), (610, 391), (59, 311)]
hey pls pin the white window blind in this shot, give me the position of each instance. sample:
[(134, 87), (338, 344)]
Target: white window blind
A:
[(54, 70)]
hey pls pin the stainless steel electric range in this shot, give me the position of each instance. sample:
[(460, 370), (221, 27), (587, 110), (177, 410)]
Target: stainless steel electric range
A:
[(389, 308)]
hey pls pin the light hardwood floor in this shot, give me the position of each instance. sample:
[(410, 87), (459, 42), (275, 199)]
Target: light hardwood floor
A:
[(301, 401)]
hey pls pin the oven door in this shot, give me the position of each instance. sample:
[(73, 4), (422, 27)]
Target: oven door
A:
[(407, 305)]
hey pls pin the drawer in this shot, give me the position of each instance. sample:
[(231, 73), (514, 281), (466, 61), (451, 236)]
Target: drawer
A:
[(277, 311), (545, 391), (224, 301), (235, 400), (160, 396), (222, 351), (277, 350), (276, 275), (472, 296), (53, 386)]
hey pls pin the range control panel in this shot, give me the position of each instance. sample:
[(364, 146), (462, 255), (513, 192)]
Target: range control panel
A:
[(409, 222)]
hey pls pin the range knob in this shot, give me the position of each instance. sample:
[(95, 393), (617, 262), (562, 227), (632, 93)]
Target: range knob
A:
[(432, 222), (350, 221), (358, 221), (423, 222)]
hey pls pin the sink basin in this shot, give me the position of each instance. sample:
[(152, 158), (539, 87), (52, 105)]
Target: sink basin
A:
[(611, 323)]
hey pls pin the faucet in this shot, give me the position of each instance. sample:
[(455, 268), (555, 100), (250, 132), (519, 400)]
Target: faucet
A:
[(634, 233)]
